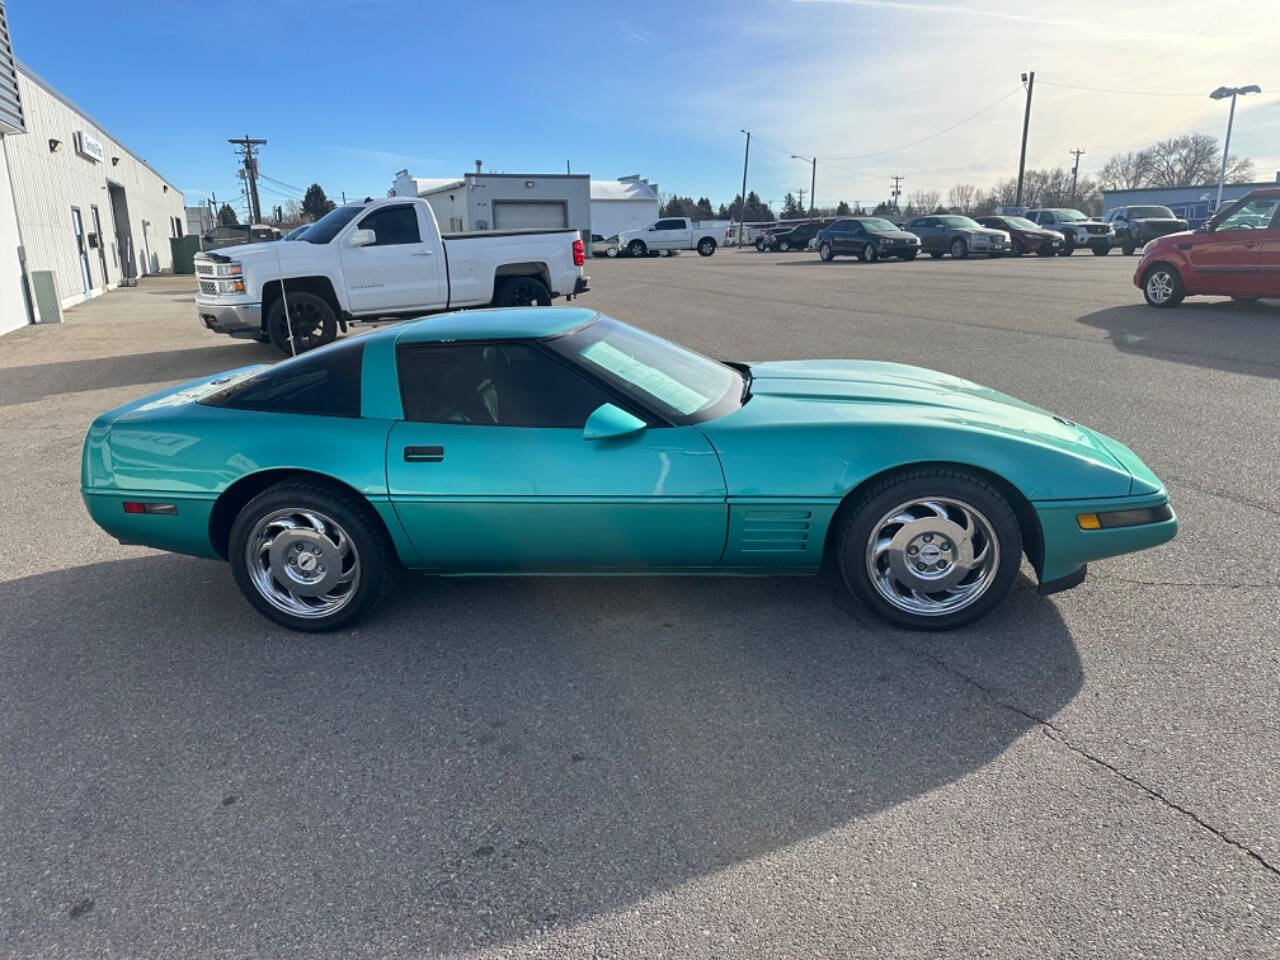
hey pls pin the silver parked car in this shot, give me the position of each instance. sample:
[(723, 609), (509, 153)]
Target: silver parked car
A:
[(959, 236)]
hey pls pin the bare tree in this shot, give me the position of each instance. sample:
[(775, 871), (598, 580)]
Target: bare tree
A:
[(962, 196), (1184, 161), (923, 201), (1126, 171)]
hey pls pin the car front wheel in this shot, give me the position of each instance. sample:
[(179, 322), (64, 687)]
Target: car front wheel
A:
[(825, 253), (310, 556), (930, 549), (1162, 286), (868, 253), (959, 249)]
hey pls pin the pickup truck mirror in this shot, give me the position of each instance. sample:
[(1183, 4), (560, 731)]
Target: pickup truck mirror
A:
[(363, 238), (608, 422)]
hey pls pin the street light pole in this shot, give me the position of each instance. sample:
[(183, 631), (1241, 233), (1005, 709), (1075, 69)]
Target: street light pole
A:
[(742, 211), (813, 180), (1221, 94)]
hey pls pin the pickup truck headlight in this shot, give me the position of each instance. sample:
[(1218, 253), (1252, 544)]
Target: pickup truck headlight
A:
[(228, 270)]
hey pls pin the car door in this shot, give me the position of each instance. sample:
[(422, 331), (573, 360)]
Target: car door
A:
[(489, 471), (400, 270), (1227, 258), (847, 237), (1269, 260), (927, 229)]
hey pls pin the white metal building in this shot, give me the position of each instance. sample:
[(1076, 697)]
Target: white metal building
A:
[(627, 203), (503, 201), (73, 199)]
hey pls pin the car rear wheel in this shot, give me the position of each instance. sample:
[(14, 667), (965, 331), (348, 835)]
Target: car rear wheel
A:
[(825, 253), (868, 253), (706, 246), (959, 249), (310, 557), (311, 319), (1162, 286), (930, 549), (522, 292), (637, 248)]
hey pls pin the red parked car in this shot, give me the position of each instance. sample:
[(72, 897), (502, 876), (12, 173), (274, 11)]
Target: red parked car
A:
[(1025, 236), (1236, 253)]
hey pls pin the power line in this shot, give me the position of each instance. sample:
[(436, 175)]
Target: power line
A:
[(932, 136), (1135, 93)]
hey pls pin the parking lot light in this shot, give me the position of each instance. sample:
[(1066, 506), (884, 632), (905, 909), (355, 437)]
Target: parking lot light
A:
[(1221, 94)]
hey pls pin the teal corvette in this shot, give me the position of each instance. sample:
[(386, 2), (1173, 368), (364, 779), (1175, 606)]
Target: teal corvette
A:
[(561, 441)]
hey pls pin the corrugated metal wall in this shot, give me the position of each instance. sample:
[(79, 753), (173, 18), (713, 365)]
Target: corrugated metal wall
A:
[(11, 119), (1193, 204), (47, 184)]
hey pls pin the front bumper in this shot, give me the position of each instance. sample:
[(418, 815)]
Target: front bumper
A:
[(241, 320), (1068, 548), (898, 247)]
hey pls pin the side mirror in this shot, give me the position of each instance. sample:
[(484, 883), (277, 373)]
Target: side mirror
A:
[(608, 422), (1206, 227), (363, 238)]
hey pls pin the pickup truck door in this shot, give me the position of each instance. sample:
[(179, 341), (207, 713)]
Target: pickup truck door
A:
[(403, 269), (1228, 258), (670, 234), (490, 472)]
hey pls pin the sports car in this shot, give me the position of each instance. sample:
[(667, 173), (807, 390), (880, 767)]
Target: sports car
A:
[(563, 441)]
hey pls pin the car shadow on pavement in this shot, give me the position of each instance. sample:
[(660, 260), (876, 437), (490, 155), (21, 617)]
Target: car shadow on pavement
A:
[(481, 760), (1218, 334), (26, 384)]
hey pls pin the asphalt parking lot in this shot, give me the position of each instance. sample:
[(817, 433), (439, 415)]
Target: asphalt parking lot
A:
[(663, 767)]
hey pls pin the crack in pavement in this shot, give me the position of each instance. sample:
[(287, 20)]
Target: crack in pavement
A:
[(1059, 735), (1223, 494), (1108, 578)]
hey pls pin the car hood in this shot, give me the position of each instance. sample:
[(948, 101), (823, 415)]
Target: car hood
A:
[(1168, 239), (243, 251), (919, 394), (1160, 221)]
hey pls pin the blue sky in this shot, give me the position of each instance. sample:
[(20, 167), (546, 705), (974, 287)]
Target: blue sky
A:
[(349, 91)]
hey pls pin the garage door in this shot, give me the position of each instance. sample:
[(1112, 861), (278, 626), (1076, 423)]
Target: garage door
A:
[(522, 215)]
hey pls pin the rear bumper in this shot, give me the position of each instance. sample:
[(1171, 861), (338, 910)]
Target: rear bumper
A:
[(242, 320), (581, 285)]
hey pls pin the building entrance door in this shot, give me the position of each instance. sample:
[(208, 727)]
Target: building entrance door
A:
[(85, 276), (102, 243)]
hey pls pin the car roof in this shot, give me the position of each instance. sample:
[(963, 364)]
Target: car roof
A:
[(513, 323)]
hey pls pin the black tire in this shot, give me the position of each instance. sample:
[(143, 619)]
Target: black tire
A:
[(706, 247), (868, 253), (373, 551), (784, 246), (1128, 248), (522, 292), (959, 249), (759, 245), (312, 318), (1068, 246), (1153, 290), (909, 255), (950, 483), (637, 248), (1100, 250), (1246, 299), (825, 252), (1015, 248), (936, 254)]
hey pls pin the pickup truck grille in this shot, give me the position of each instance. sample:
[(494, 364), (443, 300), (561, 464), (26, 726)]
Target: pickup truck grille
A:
[(204, 269), (1096, 227), (209, 287)]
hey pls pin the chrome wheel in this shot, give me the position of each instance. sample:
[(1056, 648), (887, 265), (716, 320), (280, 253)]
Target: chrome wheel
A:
[(302, 563), (1159, 286), (932, 556), (824, 252)]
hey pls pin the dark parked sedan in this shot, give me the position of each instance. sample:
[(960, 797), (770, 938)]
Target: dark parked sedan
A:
[(958, 236), (867, 238), (797, 238), (1137, 226), (1025, 236)]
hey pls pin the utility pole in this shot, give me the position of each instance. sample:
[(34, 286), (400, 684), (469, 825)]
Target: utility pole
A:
[(247, 145), (813, 179), (1030, 80), (567, 168), (897, 192), (1075, 171), (742, 211)]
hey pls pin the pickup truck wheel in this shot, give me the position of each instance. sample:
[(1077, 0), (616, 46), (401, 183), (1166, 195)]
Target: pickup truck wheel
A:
[(637, 248), (522, 292), (312, 318), (706, 247), (1101, 249), (1128, 248)]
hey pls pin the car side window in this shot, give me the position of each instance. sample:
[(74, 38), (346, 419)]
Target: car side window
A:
[(393, 226), (324, 383), (1256, 214), (494, 384)]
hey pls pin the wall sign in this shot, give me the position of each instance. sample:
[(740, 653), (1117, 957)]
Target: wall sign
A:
[(89, 146)]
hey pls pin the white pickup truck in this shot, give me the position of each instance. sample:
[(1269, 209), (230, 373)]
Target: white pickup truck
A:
[(381, 258), (671, 233)]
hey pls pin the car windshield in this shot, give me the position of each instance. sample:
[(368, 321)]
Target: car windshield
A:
[(1020, 223), (327, 227), (1137, 213), (1070, 215), (961, 222), (683, 386), (876, 225)]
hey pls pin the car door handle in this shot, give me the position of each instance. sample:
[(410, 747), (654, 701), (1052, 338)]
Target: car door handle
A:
[(1251, 243), (422, 253), (427, 454)]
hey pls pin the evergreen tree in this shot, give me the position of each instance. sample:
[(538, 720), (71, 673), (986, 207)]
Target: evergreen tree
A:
[(227, 216), (315, 204)]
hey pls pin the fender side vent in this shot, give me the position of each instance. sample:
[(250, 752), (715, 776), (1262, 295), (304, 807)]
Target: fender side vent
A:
[(774, 531)]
